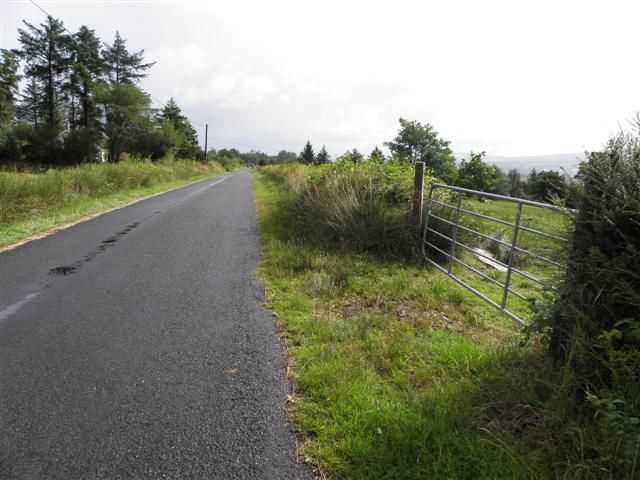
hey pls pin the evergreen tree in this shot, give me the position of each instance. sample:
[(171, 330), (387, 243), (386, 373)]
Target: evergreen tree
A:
[(87, 69), (323, 156), (356, 156), (546, 185), (46, 52), (121, 65), (9, 80), (307, 156), (31, 107), (188, 137), (376, 155)]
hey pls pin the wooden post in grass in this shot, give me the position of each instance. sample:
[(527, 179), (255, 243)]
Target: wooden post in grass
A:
[(418, 184)]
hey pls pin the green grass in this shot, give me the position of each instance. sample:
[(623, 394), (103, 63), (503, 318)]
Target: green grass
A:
[(402, 374), (33, 203), (384, 356)]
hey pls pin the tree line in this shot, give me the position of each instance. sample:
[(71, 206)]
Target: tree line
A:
[(416, 142), (68, 98)]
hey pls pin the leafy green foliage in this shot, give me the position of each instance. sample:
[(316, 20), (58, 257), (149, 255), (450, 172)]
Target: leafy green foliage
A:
[(285, 156), (596, 320), (546, 185), (476, 174), (416, 142), (514, 184), (77, 93), (126, 110)]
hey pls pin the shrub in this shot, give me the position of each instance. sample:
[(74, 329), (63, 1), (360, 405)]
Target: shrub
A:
[(596, 320), (364, 207)]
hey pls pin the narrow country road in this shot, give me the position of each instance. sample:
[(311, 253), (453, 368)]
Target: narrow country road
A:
[(135, 346)]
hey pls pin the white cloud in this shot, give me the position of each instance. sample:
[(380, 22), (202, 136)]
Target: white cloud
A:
[(506, 77)]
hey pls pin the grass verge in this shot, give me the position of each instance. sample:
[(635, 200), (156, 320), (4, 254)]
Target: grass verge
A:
[(401, 374), (34, 203)]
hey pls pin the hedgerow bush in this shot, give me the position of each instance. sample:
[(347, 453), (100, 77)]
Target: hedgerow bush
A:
[(596, 320)]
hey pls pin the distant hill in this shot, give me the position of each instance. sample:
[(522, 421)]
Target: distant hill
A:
[(557, 161)]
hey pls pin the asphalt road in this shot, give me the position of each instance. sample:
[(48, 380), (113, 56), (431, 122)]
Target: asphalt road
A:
[(136, 346)]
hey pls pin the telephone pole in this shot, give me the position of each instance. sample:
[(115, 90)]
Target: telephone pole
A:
[(206, 134)]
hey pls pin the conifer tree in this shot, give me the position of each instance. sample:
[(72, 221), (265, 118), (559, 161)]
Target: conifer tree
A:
[(307, 156), (356, 156), (31, 107), (9, 80), (188, 142), (87, 69), (376, 155), (323, 156), (46, 53), (122, 66)]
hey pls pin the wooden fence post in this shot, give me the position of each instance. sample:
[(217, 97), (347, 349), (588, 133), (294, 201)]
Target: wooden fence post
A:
[(418, 184)]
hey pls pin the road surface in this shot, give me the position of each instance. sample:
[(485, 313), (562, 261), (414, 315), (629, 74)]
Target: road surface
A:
[(135, 346)]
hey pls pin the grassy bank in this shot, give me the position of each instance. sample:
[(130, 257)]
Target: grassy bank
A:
[(401, 374), (33, 203)]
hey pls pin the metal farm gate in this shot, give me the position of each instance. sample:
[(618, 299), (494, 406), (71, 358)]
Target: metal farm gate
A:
[(451, 227)]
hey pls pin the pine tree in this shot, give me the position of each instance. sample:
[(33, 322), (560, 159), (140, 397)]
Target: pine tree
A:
[(356, 156), (121, 66), (376, 155), (9, 80), (87, 69), (307, 156), (188, 143), (46, 52), (323, 156), (31, 107)]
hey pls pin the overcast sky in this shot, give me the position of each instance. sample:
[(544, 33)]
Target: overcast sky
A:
[(509, 77)]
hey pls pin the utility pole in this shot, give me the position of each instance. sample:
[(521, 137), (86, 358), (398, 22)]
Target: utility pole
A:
[(206, 134)]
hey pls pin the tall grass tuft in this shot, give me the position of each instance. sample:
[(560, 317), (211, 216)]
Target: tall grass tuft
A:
[(362, 207)]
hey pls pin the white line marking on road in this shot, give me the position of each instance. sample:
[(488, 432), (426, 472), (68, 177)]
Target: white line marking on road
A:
[(11, 309)]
